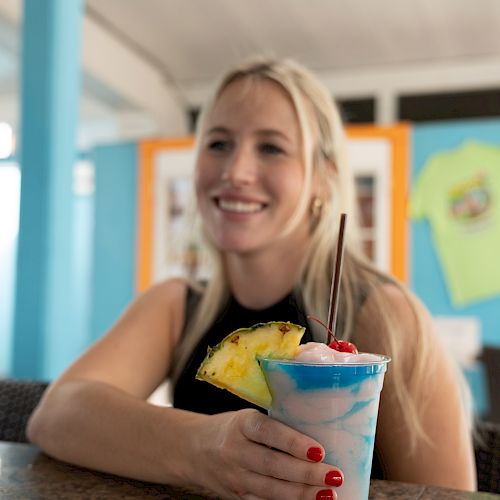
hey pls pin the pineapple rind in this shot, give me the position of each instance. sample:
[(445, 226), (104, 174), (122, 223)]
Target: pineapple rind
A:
[(232, 364)]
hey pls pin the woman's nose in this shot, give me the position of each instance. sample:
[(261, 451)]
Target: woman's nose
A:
[(240, 167)]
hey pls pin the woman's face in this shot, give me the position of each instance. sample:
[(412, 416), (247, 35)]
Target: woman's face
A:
[(249, 171)]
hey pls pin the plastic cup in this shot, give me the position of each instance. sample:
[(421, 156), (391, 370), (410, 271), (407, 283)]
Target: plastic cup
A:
[(336, 404)]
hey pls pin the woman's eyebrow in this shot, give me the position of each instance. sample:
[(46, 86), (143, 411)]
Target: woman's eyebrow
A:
[(218, 130), (274, 132)]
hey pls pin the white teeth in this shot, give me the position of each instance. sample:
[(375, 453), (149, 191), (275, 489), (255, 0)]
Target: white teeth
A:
[(240, 206)]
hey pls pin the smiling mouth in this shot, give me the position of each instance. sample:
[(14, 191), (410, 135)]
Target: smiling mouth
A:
[(239, 207)]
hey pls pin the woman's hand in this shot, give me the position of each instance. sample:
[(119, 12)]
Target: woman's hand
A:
[(248, 455)]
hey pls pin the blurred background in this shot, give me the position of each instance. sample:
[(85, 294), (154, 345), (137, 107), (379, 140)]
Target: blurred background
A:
[(98, 102)]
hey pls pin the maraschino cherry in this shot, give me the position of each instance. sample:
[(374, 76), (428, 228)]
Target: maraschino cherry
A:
[(336, 344), (343, 346)]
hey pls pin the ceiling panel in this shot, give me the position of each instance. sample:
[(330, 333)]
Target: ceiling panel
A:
[(192, 40)]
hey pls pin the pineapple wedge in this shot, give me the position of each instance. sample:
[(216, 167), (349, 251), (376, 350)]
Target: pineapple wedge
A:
[(232, 364)]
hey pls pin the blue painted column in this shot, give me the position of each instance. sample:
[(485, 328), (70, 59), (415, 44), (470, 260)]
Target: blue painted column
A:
[(50, 102), (115, 234)]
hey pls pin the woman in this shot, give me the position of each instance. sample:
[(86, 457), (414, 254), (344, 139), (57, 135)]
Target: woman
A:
[(271, 180)]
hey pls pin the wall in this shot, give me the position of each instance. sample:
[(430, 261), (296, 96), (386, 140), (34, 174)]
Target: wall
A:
[(426, 273), (427, 278)]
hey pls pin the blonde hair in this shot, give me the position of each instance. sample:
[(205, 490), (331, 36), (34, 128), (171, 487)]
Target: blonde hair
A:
[(324, 151)]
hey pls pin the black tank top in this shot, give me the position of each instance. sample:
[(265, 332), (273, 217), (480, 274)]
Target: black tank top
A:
[(201, 397)]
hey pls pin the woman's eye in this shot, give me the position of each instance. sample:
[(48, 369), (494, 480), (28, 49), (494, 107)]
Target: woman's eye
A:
[(219, 145), (271, 149)]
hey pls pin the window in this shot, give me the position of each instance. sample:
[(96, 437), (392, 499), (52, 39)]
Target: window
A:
[(449, 105)]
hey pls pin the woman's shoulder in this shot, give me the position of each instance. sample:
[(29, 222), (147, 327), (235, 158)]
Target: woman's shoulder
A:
[(169, 299), (388, 307), (166, 298), (179, 294), (388, 297), (172, 289)]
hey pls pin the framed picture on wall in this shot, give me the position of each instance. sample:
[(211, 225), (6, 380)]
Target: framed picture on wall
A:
[(370, 160), (379, 156), (178, 248), (169, 241)]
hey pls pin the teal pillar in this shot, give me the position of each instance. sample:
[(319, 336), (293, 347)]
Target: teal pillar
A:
[(115, 234), (50, 93)]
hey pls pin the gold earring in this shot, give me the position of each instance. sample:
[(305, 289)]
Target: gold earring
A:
[(316, 207)]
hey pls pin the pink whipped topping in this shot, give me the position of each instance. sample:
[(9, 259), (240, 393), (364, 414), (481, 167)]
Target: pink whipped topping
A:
[(316, 352)]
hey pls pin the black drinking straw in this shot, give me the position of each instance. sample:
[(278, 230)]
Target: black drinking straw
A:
[(334, 292)]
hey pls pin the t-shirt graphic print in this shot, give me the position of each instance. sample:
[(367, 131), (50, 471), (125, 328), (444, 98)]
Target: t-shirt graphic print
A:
[(458, 191)]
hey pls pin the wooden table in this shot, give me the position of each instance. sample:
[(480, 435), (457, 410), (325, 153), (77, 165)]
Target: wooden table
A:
[(26, 473)]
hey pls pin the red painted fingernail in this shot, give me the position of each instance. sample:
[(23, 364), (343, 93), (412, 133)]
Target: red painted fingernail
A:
[(315, 454), (334, 478), (324, 495)]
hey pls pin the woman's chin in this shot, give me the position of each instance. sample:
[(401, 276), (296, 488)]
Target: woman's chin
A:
[(237, 246)]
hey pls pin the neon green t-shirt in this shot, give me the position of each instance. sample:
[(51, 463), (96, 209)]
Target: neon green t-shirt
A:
[(459, 192)]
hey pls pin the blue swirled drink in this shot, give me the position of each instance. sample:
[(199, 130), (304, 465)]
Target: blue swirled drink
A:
[(335, 401)]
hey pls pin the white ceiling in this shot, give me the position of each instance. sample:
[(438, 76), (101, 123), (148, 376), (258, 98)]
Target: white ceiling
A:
[(146, 61), (193, 40)]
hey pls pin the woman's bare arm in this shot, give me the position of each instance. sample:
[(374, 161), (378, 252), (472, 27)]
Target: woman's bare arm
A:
[(446, 458), (96, 413)]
